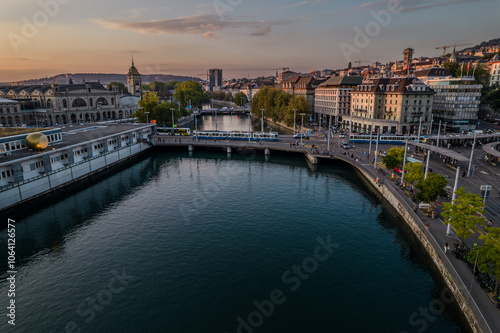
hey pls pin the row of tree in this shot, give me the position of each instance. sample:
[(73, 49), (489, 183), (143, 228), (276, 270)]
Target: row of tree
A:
[(279, 105), (150, 109), (464, 213)]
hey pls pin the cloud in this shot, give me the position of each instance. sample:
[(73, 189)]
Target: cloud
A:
[(410, 5), (204, 25)]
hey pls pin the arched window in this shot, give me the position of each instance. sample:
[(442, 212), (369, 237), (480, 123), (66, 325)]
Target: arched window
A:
[(78, 102), (102, 101)]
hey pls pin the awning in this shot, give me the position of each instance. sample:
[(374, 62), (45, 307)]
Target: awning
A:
[(441, 150), (490, 149)]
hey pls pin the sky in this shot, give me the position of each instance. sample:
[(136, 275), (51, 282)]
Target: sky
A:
[(246, 38)]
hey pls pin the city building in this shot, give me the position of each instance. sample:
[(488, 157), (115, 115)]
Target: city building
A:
[(10, 112), (395, 105), (134, 81), (302, 86), (332, 100), (215, 79), (494, 66), (286, 75), (456, 103), (73, 153), (49, 105)]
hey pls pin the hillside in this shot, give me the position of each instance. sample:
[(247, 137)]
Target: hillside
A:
[(104, 78)]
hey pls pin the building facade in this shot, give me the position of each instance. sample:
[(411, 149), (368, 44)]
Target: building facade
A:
[(494, 66), (52, 105), (332, 99), (134, 81), (396, 106), (456, 103), (215, 79)]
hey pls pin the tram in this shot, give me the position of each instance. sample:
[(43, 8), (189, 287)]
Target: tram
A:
[(383, 138), (236, 135)]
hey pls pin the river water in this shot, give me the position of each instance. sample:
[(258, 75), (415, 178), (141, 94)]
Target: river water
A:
[(217, 243)]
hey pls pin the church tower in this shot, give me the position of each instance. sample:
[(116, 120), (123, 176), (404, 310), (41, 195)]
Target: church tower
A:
[(134, 82)]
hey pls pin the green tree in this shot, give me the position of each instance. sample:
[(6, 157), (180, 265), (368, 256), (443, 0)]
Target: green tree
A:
[(481, 73), (148, 103), (414, 172), (462, 213), (301, 105), (431, 187), (191, 91), (240, 99), (228, 97), (488, 258), (394, 158), (119, 86)]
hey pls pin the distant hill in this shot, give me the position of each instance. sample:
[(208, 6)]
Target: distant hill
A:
[(104, 78), (483, 45)]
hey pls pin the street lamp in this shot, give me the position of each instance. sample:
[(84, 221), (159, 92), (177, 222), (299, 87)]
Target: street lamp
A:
[(262, 119), (172, 109), (34, 113), (301, 128), (294, 131), (147, 116)]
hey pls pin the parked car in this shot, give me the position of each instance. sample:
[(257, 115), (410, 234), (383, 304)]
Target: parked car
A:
[(345, 145)]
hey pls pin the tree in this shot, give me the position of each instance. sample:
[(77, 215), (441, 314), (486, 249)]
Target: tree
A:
[(394, 158), (148, 103), (240, 99), (118, 86), (191, 91), (462, 213), (301, 105), (414, 172), (488, 258), (431, 187), (481, 73)]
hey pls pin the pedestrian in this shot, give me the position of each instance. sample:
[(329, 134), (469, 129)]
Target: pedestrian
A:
[(427, 226), (490, 223), (414, 208), (446, 248)]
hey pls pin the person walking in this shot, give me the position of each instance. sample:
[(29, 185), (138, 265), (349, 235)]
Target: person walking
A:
[(446, 248), (427, 226)]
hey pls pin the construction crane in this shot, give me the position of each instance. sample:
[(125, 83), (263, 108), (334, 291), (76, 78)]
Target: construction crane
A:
[(284, 69), (359, 62), (444, 47), (207, 74)]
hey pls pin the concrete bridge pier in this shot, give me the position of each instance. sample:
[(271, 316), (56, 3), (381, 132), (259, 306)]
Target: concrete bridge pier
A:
[(313, 160), (267, 158), (190, 148), (229, 150), (267, 151)]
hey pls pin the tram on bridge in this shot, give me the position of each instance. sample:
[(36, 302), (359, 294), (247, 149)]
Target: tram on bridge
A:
[(236, 135), (384, 138)]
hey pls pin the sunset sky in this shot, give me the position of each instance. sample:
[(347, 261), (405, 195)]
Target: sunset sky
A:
[(243, 37)]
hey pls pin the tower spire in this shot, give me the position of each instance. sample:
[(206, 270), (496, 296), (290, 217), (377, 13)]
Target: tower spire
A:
[(132, 60)]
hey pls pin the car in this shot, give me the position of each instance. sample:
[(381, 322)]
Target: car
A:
[(341, 135), (345, 145), (300, 135)]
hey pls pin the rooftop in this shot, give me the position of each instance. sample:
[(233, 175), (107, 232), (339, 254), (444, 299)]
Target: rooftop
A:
[(77, 134)]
